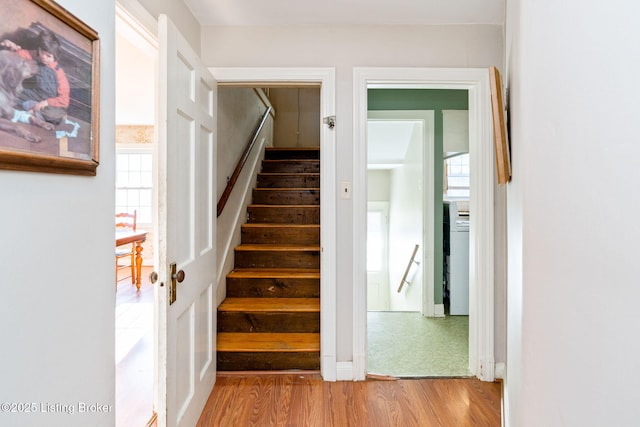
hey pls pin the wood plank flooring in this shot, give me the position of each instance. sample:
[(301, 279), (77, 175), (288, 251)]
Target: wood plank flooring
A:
[(303, 399), (134, 352)]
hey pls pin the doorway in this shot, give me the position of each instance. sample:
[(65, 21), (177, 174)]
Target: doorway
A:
[(475, 81), (136, 62), (325, 77), (413, 335)]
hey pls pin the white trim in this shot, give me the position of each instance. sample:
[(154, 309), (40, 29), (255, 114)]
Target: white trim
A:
[(344, 371), (481, 301), (438, 310), (141, 21), (328, 301), (500, 370)]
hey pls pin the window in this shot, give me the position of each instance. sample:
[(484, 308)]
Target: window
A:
[(134, 182), (457, 176)]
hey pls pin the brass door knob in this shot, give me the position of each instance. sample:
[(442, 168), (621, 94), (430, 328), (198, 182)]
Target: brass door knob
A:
[(179, 276)]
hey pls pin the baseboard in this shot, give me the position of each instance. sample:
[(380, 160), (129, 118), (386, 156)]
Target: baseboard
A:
[(344, 371), (438, 310), (500, 370)]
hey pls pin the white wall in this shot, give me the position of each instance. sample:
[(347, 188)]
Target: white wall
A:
[(235, 128), (406, 218), (378, 184), (573, 244), (135, 76), (58, 288), (346, 47), (179, 14)]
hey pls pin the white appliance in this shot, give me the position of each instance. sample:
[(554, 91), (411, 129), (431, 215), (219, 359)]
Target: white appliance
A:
[(459, 257)]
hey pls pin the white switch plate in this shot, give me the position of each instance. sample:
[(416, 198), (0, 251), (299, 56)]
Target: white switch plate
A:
[(345, 190)]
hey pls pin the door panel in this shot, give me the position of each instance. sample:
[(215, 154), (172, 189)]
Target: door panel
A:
[(186, 193)]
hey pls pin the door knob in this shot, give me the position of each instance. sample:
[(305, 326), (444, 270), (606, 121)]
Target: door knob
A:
[(153, 277), (179, 276)]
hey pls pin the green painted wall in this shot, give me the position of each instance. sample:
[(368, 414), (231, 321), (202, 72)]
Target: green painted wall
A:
[(426, 99)]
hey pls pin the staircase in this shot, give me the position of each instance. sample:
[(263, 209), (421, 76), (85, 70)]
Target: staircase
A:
[(270, 319)]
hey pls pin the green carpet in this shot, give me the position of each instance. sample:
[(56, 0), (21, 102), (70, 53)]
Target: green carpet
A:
[(406, 344)]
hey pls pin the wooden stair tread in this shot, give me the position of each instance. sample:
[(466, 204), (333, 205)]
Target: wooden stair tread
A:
[(292, 189), (267, 342), (284, 206), (285, 305), (308, 148), (277, 247), (275, 273), (312, 161), (278, 225), (314, 174)]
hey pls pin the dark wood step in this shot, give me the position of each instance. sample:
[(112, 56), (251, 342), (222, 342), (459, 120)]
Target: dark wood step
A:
[(291, 166), (269, 315), (280, 153), (288, 180), (277, 256), (292, 234), (267, 351), (284, 214), (286, 196), (273, 283)]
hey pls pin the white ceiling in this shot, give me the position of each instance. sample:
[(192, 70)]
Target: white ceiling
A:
[(388, 142), (352, 12)]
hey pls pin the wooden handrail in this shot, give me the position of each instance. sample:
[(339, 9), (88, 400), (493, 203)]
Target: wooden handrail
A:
[(243, 159), (406, 272)]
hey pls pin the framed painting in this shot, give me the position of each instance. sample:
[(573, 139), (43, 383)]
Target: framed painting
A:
[(500, 136), (49, 90)]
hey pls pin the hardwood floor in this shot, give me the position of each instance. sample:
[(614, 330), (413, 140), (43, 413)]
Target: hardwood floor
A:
[(255, 399), (134, 352)]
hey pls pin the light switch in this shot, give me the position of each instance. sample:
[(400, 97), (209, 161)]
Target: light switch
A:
[(345, 190)]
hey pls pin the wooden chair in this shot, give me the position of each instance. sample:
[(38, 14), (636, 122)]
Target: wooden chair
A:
[(126, 222)]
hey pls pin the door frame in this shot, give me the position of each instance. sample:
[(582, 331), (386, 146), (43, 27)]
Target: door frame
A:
[(326, 78), (427, 117), (481, 235)]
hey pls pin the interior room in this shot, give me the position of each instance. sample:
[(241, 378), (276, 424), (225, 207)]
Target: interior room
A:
[(561, 348), (136, 61), (418, 165)]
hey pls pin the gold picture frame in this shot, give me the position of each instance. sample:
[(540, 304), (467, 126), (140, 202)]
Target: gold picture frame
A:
[(500, 135), (56, 136)]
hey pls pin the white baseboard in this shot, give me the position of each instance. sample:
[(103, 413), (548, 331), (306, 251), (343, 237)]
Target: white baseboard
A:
[(500, 370), (438, 310), (344, 371)]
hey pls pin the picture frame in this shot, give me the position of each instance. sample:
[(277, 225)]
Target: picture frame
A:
[(500, 135), (47, 125)]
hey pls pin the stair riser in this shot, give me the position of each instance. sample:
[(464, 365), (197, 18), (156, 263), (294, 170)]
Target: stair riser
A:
[(230, 361), (273, 288), (277, 259), (290, 166), (291, 154), (283, 235), (288, 181), (268, 322), (286, 197), (284, 214)]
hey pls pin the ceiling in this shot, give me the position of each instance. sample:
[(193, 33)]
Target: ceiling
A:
[(388, 142), (346, 12)]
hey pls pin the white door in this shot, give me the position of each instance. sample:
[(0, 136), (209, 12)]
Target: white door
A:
[(186, 230)]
